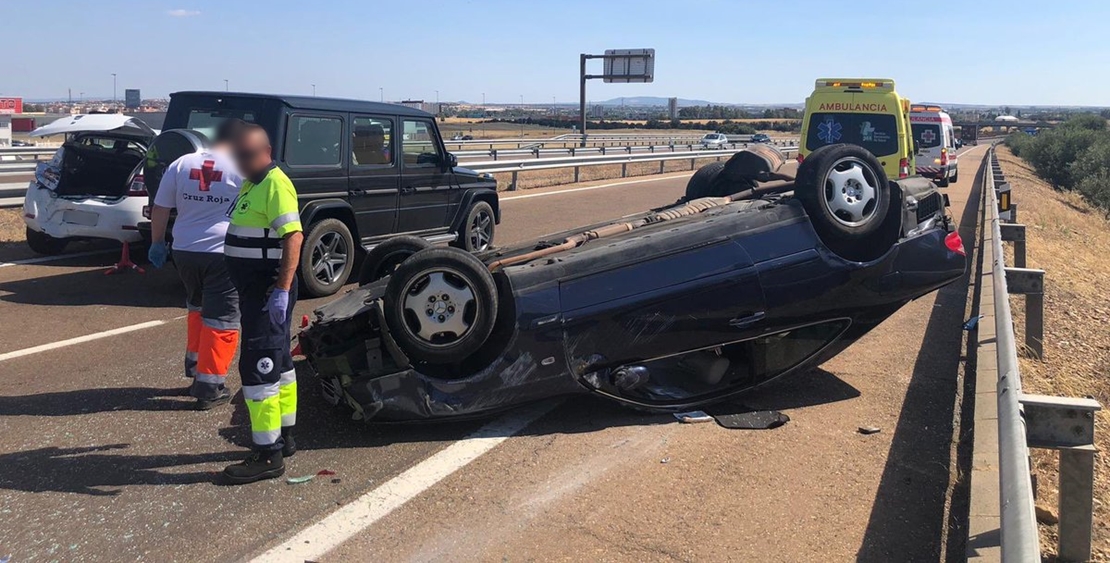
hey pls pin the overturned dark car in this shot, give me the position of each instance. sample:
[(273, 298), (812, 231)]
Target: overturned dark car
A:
[(751, 276)]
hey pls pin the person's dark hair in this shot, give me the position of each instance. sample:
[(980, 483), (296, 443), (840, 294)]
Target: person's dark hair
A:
[(229, 129)]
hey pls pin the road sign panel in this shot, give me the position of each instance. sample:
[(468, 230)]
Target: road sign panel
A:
[(629, 65)]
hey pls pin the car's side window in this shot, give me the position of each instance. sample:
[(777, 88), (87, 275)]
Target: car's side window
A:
[(419, 145), (312, 140), (372, 141)]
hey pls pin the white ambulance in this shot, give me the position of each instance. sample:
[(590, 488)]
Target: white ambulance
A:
[(934, 142)]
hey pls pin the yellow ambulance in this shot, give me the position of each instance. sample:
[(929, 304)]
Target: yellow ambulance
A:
[(860, 111)]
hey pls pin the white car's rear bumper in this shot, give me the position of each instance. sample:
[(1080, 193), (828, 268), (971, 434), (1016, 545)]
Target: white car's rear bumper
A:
[(73, 217)]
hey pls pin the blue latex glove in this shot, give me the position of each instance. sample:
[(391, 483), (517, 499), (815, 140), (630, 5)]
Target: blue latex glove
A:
[(278, 306), (158, 253)]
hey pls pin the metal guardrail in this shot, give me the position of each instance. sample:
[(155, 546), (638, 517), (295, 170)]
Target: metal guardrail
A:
[(579, 162), (1026, 420), (573, 150), (516, 167)]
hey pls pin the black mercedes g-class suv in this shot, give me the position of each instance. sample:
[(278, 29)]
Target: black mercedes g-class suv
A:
[(364, 171)]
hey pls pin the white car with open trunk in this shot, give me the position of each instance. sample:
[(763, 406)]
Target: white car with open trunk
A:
[(92, 187)]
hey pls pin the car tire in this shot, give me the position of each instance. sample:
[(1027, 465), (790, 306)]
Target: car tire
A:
[(43, 243), (430, 328), (476, 233), (327, 257), (955, 178), (845, 192), (942, 182), (384, 258), (701, 184)]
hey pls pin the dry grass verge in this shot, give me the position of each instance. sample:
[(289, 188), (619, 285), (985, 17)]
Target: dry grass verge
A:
[(1070, 240), (558, 176)]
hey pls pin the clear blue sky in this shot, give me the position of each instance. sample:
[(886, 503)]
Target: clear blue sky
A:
[(988, 51)]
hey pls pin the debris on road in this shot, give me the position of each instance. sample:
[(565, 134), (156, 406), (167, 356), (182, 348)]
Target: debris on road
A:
[(307, 478), (743, 417), (1045, 515), (868, 430), (972, 322), (665, 460), (693, 417)]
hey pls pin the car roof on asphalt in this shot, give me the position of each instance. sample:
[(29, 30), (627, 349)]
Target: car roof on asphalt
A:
[(319, 103)]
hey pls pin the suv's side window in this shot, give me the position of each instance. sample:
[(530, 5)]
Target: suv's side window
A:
[(419, 147), (372, 141), (313, 140)]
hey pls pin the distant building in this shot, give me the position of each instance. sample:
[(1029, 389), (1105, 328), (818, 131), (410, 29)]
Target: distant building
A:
[(1009, 118), (414, 104), (132, 99), (672, 108), (597, 112)]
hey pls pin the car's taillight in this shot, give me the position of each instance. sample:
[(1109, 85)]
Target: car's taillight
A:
[(146, 211), (138, 186), (904, 168), (944, 157), (955, 243)]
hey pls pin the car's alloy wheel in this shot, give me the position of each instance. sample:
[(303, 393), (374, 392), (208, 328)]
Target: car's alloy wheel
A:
[(330, 258), (440, 305), (851, 192), (384, 258)]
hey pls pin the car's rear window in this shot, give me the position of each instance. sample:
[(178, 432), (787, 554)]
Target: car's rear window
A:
[(927, 135), (876, 132), (204, 112)]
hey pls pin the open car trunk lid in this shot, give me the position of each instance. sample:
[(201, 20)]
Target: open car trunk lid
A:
[(99, 168), (97, 122)]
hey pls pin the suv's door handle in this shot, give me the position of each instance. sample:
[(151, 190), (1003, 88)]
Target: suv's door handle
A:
[(357, 192), (408, 190)]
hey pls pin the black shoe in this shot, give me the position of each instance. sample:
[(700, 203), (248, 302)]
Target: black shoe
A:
[(259, 465), (290, 446), (207, 404)]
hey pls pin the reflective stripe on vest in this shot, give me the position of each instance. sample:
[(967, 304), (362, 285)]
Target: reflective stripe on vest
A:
[(256, 243)]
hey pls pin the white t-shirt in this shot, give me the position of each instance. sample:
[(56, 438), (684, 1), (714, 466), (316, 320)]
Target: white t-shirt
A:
[(202, 186)]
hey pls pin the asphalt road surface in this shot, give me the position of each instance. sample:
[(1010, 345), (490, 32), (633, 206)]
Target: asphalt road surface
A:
[(102, 460)]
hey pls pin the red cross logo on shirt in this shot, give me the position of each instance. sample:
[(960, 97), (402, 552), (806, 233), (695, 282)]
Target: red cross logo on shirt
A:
[(206, 174)]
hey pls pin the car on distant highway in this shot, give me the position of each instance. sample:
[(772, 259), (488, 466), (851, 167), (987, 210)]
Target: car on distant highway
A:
[(753, 275), (761, 138), (713, 141), (364, 172), (92, 187), (461, 137)]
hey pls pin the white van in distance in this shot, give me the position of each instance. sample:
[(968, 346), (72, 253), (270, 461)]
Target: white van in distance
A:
[(935, 143)]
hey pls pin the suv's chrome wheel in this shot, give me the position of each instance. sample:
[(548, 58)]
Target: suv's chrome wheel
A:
[(480, 230), (330, 258)]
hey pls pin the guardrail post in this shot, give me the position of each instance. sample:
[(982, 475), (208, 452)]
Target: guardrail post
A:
[(1068, 425), (1015, 233), (602, 149), (1013, 212), (624, 170), (692, 163), (493, 153), (1030, 283), (576, 169), (661, 163), (536, 151), (512, 186)]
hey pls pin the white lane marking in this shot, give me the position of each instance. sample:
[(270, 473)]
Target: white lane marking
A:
[(81, 339), (343, 524), (598, 187), (41, 259)]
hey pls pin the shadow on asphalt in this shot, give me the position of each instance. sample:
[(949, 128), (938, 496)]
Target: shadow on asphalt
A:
[(907, 520), (156, 288), (85, 470), (100, 470)]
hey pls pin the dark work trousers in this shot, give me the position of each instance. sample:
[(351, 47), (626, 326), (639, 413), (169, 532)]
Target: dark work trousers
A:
[(265, 362), (213, 320)]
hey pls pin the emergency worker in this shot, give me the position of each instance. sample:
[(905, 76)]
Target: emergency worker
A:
[(201, 186), (262, 248)]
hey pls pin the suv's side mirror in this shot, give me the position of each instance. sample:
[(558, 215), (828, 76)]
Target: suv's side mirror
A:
[(452, 161)]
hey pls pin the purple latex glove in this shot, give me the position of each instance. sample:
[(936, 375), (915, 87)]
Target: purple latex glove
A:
[(278, 306)]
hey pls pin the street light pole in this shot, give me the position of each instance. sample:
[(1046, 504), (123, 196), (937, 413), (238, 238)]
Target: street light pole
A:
[(313, 90), (113, 88), (225, 85), (381, 93), (438, 112)]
